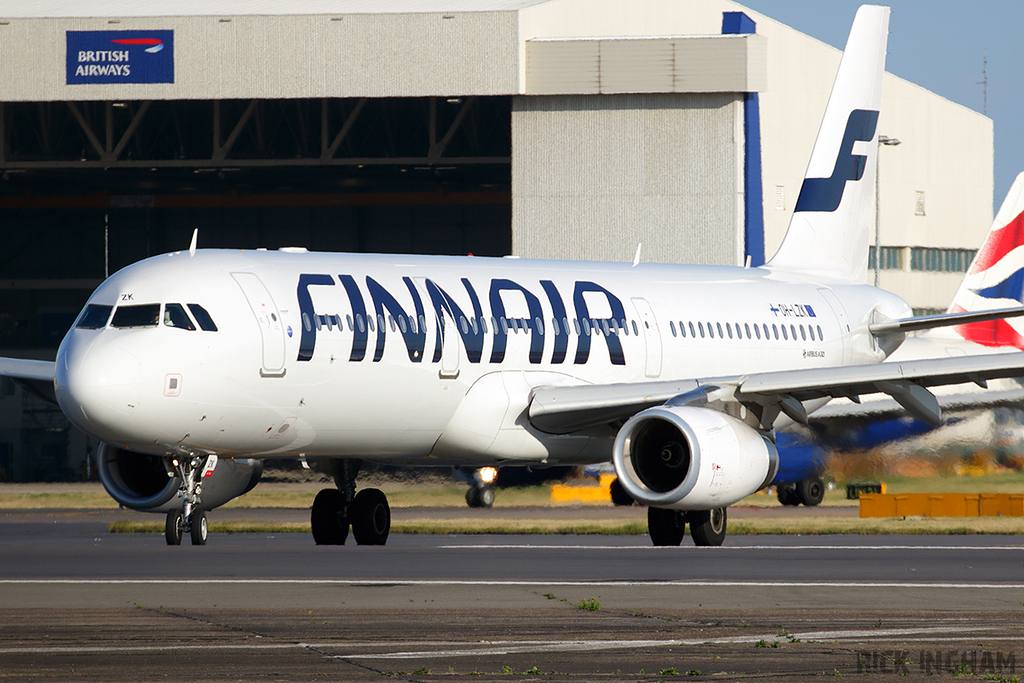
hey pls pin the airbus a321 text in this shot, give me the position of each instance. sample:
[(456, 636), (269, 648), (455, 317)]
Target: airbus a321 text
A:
[(194, 366)]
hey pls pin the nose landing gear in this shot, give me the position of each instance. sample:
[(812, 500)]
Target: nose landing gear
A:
[(190, 518)]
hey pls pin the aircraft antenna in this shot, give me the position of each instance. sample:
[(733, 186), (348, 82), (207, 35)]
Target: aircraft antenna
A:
[(636, 256), (195, 238)]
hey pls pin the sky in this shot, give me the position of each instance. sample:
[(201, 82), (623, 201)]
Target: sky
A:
[(940, 45)]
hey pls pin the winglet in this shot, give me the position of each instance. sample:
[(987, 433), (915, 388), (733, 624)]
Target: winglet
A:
[(828, 233), (195, 238)]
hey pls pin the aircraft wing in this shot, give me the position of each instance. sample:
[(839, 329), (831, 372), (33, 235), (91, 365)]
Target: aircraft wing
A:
[(20, 368), (35, 376), (562, 410)]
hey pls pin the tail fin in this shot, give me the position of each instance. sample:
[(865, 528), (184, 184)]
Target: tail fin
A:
[(996, 277), (828, 234)]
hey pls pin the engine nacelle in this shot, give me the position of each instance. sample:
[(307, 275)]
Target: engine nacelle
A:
[(148, 483), (690, 458)]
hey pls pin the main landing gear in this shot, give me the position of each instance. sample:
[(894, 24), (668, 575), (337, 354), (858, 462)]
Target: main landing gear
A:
[(809, 492), (667, 527), (335, 510), (190, 519)]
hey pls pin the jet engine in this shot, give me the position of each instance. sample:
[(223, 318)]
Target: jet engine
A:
[(148, 483), (689, 458)]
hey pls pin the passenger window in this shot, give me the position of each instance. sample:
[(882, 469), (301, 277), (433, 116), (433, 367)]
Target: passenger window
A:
[(483, 324), (175, 316), (403, 326), (143, 315), (792, 331), (720, 335), (784, 335), (711, 331), (821, 337), (369, 322), (94, 317), (464, 324), (682, 329), (586, 326), (757, 331), (728, 328), (672, 326), (700, 326), (635, 330), (803, 335), (775, 330), (766, 336), (692, 334), (359, 322), (746, 326)]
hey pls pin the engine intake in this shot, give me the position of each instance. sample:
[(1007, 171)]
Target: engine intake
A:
[(691, 458), (148, 483)]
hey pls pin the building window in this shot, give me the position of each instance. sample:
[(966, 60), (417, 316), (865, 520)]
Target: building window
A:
[(941, 260), (919, 203)]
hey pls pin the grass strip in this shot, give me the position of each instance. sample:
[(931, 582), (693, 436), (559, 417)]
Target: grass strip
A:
[(810, 526)]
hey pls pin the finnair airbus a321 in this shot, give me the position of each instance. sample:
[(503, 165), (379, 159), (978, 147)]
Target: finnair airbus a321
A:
[(191, 367)]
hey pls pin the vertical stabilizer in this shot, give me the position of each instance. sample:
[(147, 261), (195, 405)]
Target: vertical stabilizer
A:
[(996, 277), (828, 234)]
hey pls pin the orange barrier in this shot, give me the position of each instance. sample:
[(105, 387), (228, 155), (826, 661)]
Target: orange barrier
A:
[(942, 505), (601, 493)]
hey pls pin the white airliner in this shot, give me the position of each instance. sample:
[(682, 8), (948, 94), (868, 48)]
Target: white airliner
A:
[(191, 367)]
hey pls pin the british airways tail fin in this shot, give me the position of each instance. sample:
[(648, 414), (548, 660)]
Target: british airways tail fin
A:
[(828, 233), (996, 277)]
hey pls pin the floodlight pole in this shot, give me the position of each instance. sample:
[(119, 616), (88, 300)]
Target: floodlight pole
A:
[(888, 142)]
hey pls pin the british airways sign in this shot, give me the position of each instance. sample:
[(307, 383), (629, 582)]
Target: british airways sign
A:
[(120, 57)]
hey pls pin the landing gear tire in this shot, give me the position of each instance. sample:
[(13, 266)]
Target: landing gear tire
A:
[(327, 518), (619, 495), (667, 527), (788, 495), (811, 491), (174, 527), (707, 527), (480, 497), (371, 517), (199, 530)]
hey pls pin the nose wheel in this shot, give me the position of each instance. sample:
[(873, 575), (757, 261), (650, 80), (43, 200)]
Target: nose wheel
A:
[(190, 519)]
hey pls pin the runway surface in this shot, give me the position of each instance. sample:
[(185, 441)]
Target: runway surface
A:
[(79, 603)]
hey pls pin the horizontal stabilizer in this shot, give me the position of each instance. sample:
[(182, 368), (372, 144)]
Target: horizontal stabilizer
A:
[(927, 322)]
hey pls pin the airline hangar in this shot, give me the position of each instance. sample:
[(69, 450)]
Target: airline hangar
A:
[(539, 128)]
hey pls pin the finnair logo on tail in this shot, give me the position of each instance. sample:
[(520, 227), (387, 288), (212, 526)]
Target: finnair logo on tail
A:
[(825, 194)]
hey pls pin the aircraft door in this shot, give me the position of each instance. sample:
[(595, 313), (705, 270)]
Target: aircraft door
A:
[(449, 347), (652, 337), (844, 323), (269, 319)]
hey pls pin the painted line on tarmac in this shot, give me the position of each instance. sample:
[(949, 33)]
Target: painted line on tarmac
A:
[(389, 583), (452, 649), (480, 546)]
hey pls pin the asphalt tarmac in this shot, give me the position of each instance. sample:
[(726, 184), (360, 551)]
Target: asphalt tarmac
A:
[(78, 603)]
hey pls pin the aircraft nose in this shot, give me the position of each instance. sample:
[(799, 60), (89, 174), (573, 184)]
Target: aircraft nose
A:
[(98, 385)]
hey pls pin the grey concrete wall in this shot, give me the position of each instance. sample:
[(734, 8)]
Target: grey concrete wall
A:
[(594, 175)]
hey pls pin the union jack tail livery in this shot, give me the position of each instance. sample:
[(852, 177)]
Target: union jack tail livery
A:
[(996, 277)]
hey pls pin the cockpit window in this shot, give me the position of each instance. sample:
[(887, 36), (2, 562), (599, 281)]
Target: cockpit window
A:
[(202, 317), (175, 316), (143, 315), (94, 317)]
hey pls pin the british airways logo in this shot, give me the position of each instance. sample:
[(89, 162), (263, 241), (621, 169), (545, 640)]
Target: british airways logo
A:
[(119, 57), (1000, 257), (416, 311)]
